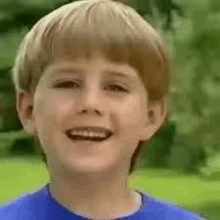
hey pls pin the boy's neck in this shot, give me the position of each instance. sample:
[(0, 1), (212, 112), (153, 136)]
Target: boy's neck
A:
[(96, 202)]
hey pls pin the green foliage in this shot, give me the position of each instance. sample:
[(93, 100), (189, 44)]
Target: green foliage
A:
[(9, 43), (187, 155), (23, 146), (196, 93), (182, 153), (157, 153), (143, 7), (214, 5), (153, 8), (207, 40), (17, 143), (10, 117)]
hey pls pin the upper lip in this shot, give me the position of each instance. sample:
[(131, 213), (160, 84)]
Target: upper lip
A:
[(92, 128)]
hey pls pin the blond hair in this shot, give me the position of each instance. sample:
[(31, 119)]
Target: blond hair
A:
[(80, 27)]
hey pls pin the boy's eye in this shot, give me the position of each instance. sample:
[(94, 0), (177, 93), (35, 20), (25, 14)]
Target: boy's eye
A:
[(119, 88), (71, 84), (67, 84)]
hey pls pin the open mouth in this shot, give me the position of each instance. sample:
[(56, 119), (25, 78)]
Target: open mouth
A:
[(83, 138)]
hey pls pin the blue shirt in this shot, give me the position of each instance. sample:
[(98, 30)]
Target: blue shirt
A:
[(41, 205)]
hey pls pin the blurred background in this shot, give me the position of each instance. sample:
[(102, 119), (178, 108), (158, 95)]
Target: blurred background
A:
[(182, 164)]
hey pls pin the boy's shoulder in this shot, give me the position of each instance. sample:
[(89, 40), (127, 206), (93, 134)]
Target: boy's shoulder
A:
[(163, 209), (25, 206)]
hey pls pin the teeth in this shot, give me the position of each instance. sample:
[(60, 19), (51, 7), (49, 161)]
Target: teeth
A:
[(88, 134)]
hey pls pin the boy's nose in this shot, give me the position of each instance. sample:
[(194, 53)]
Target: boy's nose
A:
[(91, 95), (90, 101), (89, 111)]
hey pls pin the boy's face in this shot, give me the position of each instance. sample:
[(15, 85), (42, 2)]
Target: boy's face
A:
[(84, 92)]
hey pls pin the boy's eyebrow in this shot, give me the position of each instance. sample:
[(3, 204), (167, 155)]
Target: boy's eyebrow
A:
[(117, 73), (76, 70)]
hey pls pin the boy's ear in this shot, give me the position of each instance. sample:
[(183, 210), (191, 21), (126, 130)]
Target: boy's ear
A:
[(156, 115), (24, 106)]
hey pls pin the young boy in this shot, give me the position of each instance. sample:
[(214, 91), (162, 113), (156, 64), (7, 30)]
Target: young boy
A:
[(92, 79)]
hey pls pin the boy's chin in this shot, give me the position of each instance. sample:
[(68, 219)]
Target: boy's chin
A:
[(88, 165)]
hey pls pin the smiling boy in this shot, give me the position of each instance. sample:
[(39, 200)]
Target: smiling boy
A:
[(91, 80)]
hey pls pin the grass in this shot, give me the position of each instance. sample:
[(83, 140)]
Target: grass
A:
[(26, 173), (189, 191)]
